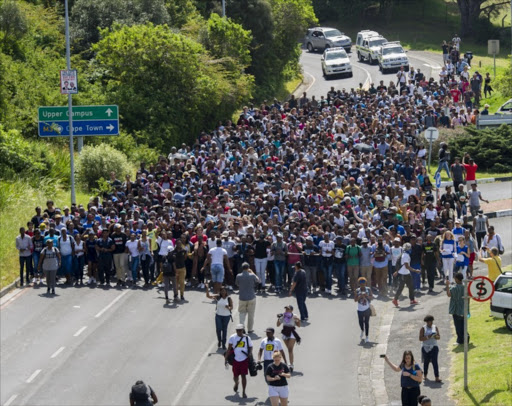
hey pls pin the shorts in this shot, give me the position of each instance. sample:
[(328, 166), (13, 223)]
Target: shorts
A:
[(472, 257), (278, 391), (217, 271), (240, 367)]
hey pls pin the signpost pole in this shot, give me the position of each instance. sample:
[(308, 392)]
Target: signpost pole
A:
[(429, 149), (494, 56), (466, 309), (70, 109)]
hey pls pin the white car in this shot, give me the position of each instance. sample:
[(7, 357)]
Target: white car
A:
[(506, 108), (501, 301), (335, 61), (392, 56), (368, 44)]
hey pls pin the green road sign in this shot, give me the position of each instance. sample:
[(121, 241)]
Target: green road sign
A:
[(80, 113)]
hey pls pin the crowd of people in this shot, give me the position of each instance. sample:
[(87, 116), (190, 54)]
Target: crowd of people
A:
[(309, 197)]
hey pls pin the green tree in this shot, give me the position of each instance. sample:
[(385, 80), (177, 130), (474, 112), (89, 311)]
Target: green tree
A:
[(471, 10), (13, 25), (180, 11), (167, 86)]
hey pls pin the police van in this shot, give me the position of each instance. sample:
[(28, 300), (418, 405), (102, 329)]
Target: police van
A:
[(368, 44)]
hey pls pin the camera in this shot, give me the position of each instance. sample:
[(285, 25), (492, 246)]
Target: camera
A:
[(259, 367), (280, 315)]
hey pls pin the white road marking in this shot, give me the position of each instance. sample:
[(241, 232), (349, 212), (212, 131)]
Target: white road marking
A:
[(112, 303), (33, 376), (192, 377), (76, 307), (80, 331), (10, 400), (312, 83), (432, 66), (57, 352), (368, 81)]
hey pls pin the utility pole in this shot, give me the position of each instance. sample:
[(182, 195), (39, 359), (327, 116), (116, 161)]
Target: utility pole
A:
[(70, 109), (223, 8)]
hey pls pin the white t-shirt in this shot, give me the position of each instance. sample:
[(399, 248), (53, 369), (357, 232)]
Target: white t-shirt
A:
[(406, 259), (79, 246), (166, 246), (133, 248), (326, 247), (217, 254), (240, 346), (269, 347)]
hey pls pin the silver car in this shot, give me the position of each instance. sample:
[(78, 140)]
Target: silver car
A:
[(321, 38)]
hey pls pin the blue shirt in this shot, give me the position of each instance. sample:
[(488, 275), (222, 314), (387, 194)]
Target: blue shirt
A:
[(465, 261), (407, 381)]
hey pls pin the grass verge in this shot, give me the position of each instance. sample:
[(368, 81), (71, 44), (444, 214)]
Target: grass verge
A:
[(18, 201), (479, 174), (489, 361)]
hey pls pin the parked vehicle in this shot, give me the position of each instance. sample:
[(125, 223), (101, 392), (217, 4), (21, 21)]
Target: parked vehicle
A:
[(368, 44), (321, 38), (501, 301), (506, 108), (335, 61), (392, 56)]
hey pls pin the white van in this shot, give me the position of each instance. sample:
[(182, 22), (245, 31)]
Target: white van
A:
[(501, 301), (368, 44)]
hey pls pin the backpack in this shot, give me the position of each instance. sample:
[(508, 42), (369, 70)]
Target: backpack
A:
[(168, 268), (140, 392)]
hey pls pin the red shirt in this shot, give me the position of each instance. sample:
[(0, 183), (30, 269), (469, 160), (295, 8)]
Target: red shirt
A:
[(471, 171), (455, 95)]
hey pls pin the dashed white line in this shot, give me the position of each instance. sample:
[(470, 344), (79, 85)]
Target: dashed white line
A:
[(10, 400), (33, 376), (57, 352), (80, 331), (112, 303)]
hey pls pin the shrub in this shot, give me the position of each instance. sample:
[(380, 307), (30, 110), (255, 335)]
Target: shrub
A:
[(97, 162)]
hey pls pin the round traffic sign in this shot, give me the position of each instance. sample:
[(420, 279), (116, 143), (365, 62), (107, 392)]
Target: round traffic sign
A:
[(481, 288), (431, 134)]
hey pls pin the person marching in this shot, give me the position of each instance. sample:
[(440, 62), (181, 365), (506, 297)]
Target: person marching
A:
[(290, 321), (276, 375), (241, 345), (222, 314), (363, 297), (268, 346), (404, 274), (410, 379), (429, 334)]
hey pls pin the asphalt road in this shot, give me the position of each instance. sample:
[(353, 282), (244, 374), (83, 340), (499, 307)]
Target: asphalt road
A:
[(364, 73)]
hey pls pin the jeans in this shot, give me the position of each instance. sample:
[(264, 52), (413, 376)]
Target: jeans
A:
[(301, 304), (327, 271), (78, 267), (167, 280), (104, 267), (221, 325), (340, 269), (217, 271), (66, 264), (35, 259), (290, 271), (279, 266), (458, 322), (261, 266), (416, 277), (430, 268), (364, 320), (441, 166), (134, 265), (145, 263), (410, 396), (26, 262), (429, 357), (402, 281)]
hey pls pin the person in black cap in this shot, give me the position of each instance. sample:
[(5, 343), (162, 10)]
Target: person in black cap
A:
[(268, 346)]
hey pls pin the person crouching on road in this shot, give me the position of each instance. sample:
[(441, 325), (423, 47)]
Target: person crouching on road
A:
[(363, 297), (276, 374), (268, 346), (241, 344)]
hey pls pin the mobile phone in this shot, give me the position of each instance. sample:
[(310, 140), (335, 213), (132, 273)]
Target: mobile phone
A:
[(383, 355)]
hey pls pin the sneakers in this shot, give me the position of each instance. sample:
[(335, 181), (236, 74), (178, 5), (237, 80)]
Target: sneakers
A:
[(230, 287), (414, 302), (291, 367), (395, 302), (361, 335), (366, 340)]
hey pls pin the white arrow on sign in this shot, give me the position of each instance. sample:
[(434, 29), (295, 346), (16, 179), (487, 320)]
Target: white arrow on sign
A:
[(110, 127), (109, 112)]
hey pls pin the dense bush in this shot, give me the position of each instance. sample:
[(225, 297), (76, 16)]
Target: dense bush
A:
[(490, 148), (96, 162)]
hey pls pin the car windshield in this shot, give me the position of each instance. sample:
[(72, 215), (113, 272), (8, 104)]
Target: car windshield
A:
[(332, 33), (336, 55), (394, 50), (506, 107), (503, 285), (377, 42)]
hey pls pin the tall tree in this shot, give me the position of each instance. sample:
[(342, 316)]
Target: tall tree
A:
[(470, 11)]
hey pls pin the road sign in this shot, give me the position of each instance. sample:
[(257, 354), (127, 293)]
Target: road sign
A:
[(87, 120), (80, 128), (431, 134), (493, 46), (481, 288), (437, 177), (68, 81)]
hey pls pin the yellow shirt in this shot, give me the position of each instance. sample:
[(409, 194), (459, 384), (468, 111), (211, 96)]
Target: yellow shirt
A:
[(151, 234), (492, 266), (337, 195)]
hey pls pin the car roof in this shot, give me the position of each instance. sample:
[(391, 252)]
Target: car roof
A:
[(391, 44), (334, 49), (323, 28)]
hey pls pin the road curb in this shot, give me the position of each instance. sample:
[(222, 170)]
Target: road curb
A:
[(482, 181), (10, 288), (499, 213)]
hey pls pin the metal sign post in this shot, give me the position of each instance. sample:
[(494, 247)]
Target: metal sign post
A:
[(466, 309), (70, 109), (493, 48), (431, 134)]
